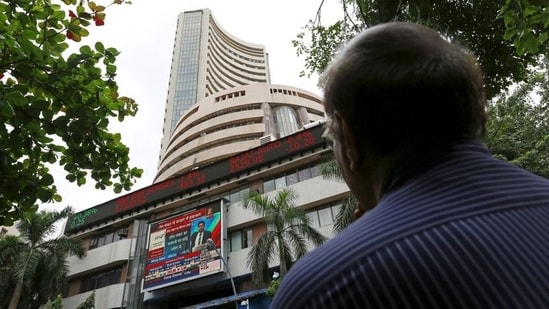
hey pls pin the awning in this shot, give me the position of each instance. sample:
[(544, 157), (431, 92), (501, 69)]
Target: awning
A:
[(228, 299)]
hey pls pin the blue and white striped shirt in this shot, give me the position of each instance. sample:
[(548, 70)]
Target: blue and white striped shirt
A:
[(472, 232)]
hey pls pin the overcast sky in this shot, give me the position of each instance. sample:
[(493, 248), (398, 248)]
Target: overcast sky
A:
[(144, 34)]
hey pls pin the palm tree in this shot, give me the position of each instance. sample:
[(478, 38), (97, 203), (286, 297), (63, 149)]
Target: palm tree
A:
[(33, 264), (288, 230), (345, 216)]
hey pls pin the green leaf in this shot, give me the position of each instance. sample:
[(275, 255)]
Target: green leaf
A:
[(530, 42), (99, 47), (86, 50), (84, 32), (510, 33), (57, 198), (81, 181), (47, 180), (111, 69)]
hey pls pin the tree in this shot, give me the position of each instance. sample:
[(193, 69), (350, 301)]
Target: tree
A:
[(57, 303), (89, 303), (54, 108), (518, 130), (346, 214), (473, 23), (33, 264), (527, 25), (288, 230), (512, 49)]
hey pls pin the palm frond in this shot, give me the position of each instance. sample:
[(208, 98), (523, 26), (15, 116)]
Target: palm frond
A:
[(287, 235), (286, 259), (330, 170), (345, 215), (256, 202), (311, 234), (261, 254), (27, 264), (296, 242)]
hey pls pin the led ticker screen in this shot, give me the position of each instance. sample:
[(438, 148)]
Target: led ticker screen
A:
[(168, 188), (178, 250)]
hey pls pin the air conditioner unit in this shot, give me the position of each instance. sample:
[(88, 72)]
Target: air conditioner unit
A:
[(312, 124), (265, 139), (122, 233)]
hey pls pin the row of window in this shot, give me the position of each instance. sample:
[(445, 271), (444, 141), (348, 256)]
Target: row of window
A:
[(232, 196), (288, 178), (101, 279), (225, 53), (291, 177), (235, 94), (242, 62), (246, 51), (227, 111), (319, 217), (108, 237), (241, 239), (324, 216)]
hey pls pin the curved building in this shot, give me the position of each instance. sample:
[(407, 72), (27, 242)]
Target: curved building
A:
[(235, 120), (207, 59)]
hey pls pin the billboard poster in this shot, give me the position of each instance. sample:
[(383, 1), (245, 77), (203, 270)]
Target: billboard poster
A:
[(178, 247)]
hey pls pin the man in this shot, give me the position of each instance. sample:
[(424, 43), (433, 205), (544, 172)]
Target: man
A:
[(449, 225), (201, 236)]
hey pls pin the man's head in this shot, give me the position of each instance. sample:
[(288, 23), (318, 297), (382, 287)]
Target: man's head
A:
[(399, 89), (201, 225)]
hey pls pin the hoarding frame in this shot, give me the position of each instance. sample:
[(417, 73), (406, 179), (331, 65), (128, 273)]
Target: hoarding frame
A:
[(172, 259)]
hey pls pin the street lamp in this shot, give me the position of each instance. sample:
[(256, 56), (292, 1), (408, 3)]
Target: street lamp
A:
[(211, 246)]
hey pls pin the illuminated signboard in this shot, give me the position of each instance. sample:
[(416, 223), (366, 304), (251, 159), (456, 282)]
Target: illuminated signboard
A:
[(247, 160), (178, 250)]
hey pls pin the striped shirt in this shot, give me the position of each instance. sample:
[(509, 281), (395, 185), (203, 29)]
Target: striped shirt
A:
[(471, 232)]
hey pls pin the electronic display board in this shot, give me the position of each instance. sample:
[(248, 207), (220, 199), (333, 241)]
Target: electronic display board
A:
[(178, 249), (247, 160)]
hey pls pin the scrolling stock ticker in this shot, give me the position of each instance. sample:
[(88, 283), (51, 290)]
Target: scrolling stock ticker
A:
[(247, 160)]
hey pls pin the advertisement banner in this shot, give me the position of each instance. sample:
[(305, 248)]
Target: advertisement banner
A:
[(184, 247)]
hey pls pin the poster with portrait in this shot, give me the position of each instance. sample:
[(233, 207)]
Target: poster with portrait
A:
[(185, 246)]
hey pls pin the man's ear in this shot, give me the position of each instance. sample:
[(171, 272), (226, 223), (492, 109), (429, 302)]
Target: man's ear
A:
[(352, 147)]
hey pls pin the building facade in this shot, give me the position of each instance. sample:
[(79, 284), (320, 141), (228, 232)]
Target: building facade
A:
[(235, 134), (235, 120), (117, 232), (207, 59)]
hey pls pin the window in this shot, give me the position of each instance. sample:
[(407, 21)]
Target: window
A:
[(285, 120), (241, 239), (238, 194), (101, 279), (291, 177), (269, 185), (106, 238), (280, 182), (313, 217), (304, 174), (324, 215)]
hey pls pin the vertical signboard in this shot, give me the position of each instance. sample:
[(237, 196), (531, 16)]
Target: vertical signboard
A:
[(181, 247)]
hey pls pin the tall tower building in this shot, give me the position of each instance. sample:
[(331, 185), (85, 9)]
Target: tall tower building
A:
[(207, 59)]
